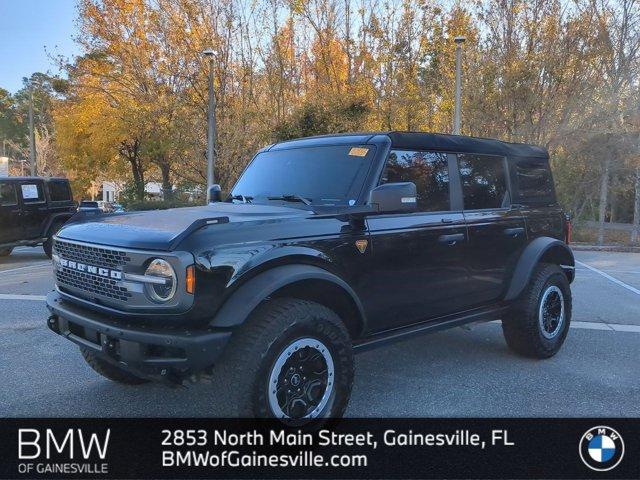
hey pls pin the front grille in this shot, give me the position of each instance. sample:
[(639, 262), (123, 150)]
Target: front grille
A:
[(86, 282), (99, 256), (105, 287)]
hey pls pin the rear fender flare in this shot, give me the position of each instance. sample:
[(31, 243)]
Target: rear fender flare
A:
[(532, 255), (237, 308)]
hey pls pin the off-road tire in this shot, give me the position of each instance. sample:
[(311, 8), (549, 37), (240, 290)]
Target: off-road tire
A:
[(521, 326), (5, 252), (110, 371), (47, 246), (254, 348)]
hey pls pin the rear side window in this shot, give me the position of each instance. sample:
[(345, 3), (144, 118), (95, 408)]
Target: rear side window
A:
[(428, 170), (484, 183), (8, 194), (31, 192), (533, 181), (59, 191)]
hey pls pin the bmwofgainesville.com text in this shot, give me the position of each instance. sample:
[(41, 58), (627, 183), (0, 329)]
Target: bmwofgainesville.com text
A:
[(234, 458)]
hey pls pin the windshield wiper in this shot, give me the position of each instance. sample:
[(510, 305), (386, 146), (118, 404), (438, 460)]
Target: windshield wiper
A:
[(291, 198), (243, 198)]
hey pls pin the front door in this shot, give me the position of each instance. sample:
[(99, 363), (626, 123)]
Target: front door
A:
[(417, 264), (34, 208), (497, 233), (10, 221)]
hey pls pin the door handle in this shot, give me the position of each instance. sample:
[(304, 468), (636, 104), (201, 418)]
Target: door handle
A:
[(513, 231), (446, 220), (451, 239)]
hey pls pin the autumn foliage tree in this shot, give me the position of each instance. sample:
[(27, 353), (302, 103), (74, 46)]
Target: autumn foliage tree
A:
[(560, 73)]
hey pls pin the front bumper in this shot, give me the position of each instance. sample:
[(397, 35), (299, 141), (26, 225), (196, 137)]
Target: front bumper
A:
[(164, 355)]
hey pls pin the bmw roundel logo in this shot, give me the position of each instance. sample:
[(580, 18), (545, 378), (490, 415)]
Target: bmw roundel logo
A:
[(601, 448)]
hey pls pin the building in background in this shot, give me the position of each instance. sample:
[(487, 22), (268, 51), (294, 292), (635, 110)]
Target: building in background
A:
[(110, 191), (4, 166)]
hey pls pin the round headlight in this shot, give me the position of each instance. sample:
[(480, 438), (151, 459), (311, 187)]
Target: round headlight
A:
[(165, 290)]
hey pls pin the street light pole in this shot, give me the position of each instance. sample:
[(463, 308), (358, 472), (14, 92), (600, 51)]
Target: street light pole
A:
[(456, 118), (32, 135), (211, 125)]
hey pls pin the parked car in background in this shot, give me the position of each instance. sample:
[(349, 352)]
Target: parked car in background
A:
[(96, 206), (89, 206), (106, 207), (117, 208), (32, 210)]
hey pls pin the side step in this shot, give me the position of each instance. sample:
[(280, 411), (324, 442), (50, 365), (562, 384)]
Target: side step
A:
[(431, 326)]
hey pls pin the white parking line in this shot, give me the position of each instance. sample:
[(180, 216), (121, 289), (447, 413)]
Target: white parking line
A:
[(609, 327), (11, 296), (594, 326), (627, 272), (609, 277), (38, 265), (625, 328)]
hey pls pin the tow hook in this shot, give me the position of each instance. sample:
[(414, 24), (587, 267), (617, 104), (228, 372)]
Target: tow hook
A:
[(52, 323), (109, 345)]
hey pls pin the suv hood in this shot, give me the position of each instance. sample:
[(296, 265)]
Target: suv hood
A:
[(163, 229)]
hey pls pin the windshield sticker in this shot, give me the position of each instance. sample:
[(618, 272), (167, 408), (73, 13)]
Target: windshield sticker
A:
[(358, 152)]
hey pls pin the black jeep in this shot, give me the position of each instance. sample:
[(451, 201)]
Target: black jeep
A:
[(32, 210), (325, 245)]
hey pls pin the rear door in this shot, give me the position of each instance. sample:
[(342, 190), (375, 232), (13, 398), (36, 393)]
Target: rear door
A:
[(34, 208), (497, 233), (10, 221), (532, 187), (418, 264), (60, 197)]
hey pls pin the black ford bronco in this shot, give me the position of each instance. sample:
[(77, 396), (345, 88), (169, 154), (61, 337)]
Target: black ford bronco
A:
[(32, 210), (324, 246)]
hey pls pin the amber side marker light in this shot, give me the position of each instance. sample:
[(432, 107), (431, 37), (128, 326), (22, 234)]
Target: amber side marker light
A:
[(191, 279)]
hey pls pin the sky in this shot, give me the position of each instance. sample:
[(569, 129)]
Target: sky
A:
[(26, 28)]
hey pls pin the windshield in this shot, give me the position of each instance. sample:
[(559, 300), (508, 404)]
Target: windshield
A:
[(328, 175)]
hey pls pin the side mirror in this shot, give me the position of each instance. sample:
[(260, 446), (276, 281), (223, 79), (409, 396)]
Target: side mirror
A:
[(214, 194), (394, 197)]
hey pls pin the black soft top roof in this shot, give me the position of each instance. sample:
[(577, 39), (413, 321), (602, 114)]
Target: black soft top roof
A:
[(462, 144), (424, 141)]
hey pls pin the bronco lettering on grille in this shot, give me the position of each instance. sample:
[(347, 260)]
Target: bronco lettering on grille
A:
[(83, 267)]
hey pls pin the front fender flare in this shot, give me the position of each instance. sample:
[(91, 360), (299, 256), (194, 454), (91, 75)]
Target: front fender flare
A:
[(237, 308), (530, 257)]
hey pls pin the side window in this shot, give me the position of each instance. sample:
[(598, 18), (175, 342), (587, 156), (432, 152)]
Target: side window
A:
[(428, 170), (8, 194), (533, 181), (483, 180), (59, 191), (31, 192)]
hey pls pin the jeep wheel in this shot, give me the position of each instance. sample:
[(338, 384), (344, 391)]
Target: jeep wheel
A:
[(6, 252), (292, 360), (48, 244), (538, 322), (110, 371)]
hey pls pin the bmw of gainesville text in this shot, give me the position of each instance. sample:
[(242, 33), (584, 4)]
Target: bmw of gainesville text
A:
[(188, 448)]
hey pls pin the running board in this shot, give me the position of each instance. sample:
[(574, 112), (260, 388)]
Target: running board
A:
[(431, 326)]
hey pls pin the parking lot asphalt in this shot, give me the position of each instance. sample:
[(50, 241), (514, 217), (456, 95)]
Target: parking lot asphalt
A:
[(453, 373)]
